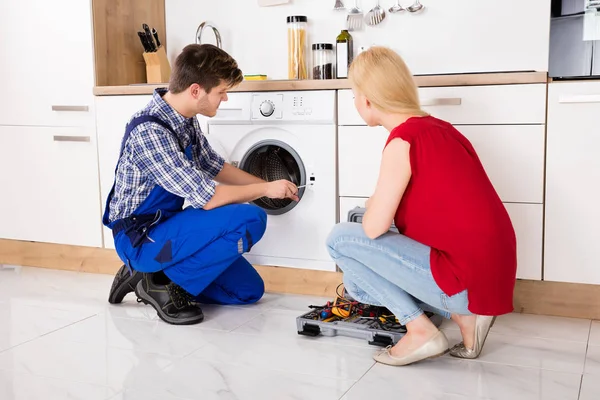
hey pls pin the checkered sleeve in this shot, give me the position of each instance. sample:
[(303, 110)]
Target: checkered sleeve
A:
[(157, 152), (205, 156)]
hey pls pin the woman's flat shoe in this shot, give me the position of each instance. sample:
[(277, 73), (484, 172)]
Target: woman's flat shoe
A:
[(434, 347), (483, 324)]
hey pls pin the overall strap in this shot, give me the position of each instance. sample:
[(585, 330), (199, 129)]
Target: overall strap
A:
[(135, 122), (142, 119)]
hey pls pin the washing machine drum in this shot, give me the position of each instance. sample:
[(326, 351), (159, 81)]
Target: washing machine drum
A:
[(273, 160)]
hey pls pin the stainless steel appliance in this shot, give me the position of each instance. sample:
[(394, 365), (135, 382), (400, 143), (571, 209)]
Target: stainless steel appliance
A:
[(572, 57)]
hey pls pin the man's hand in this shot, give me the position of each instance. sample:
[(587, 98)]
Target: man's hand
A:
[(229, 194), (281, 189)]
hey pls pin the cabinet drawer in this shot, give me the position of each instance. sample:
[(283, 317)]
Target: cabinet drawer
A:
[(501, 104), (512, 155), (49, 85), (51, 185), (526, 220)]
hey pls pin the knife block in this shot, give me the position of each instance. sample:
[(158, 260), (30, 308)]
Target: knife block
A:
[(158, 69)]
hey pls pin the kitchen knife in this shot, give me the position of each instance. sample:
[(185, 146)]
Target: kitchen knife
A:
[(142, 36), (149, 38), (155, 34)]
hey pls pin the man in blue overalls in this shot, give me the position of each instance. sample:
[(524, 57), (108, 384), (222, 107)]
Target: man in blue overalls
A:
[(176, 258)]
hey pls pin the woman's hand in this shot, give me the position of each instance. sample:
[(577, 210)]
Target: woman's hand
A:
[(367, 203)]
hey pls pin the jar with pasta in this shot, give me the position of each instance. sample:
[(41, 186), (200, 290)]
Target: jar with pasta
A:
[(297, 47)]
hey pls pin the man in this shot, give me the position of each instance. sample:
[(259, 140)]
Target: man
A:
[(176, 258)]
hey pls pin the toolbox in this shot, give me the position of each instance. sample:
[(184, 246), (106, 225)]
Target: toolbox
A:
[(375, 324), (347, 317)]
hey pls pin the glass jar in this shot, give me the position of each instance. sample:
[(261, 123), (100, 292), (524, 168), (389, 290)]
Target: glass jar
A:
[(323, 59), (297, 47)]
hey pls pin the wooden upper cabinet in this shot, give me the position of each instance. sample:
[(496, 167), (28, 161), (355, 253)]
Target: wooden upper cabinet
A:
[(118, 51)]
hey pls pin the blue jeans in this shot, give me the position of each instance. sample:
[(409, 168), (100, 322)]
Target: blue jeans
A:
[(391, 271)]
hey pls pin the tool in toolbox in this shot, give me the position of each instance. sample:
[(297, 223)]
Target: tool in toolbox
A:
[(348, 317)]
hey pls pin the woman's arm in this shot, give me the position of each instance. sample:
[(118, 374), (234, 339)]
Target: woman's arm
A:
[(394, 174)]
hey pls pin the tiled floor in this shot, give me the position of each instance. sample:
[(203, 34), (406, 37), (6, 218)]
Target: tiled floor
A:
[(60, 339)]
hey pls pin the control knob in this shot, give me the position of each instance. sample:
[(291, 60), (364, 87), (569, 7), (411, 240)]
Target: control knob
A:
[(267, 108)]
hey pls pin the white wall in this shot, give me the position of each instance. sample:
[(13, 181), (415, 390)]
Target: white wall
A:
[(452, 36)]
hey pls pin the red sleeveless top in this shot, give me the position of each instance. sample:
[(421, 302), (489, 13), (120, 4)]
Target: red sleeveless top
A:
[(451, 206)]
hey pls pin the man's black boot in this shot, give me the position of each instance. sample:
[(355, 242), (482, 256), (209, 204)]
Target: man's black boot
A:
[(172, 303), (124, 282)]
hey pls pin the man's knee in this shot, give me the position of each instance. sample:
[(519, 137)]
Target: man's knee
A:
[(251, 291), (256, 292)]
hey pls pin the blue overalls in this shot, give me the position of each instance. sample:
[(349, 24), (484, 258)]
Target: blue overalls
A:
[(197, 249)]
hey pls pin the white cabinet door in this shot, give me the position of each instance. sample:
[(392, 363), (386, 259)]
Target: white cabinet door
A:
[(46, 61), (359, 157), (112, 114), (513, 158), (49, 184), (572, 240), (512, 155), (526, 220)]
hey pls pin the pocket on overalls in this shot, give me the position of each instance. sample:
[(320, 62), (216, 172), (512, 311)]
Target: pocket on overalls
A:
[(138, 232)]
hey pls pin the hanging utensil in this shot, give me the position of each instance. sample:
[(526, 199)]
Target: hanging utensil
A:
[(396, 8), (376, 15), (416, 7), (354, 20), (339, 5)]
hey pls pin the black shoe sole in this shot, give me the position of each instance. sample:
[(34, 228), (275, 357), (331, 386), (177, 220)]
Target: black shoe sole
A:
[(147, 299), (117, 294)]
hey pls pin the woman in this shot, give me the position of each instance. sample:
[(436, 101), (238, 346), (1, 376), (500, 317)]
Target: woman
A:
[(456, 251)]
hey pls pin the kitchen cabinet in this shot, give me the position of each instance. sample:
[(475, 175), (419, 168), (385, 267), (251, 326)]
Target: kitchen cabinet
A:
[(512, 155), (527, 221), (50, 185), (112, 115), (506, 126), (571, 249), (46, 63)]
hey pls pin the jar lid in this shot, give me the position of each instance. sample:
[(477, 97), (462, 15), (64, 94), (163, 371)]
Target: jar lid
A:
[(297, 18), (322, 46)]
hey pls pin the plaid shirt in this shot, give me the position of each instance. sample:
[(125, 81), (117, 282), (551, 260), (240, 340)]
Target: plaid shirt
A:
[(152, 156)]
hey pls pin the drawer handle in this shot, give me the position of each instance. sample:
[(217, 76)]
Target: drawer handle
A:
[(70, 108), (71, 138), (442, 101), (590, 98)]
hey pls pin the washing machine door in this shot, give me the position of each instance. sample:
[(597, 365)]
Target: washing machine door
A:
[(268, 153)]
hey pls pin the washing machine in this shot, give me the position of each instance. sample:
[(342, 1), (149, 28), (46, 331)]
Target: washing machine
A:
[(285, 135)]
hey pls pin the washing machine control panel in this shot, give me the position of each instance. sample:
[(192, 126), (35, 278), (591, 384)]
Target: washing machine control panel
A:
[(292, 106), (267, 106)]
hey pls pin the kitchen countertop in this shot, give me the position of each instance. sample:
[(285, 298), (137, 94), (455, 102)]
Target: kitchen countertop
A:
[(499, 78)]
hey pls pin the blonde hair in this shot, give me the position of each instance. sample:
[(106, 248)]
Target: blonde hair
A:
[(381, 75)]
